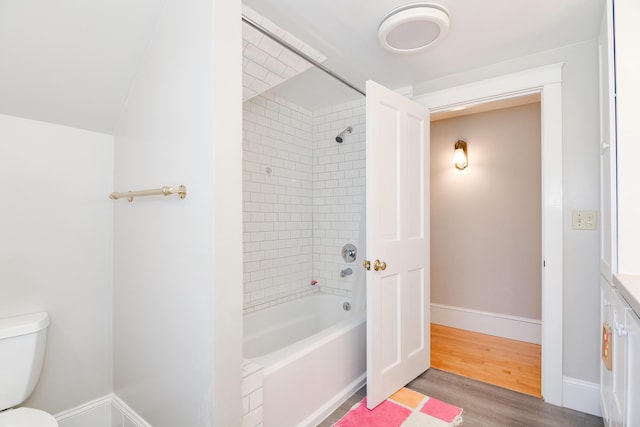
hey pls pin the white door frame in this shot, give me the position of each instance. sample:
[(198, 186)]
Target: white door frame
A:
[(547, 81)]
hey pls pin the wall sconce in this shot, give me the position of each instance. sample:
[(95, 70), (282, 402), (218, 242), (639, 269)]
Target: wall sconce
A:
[(460, 158)]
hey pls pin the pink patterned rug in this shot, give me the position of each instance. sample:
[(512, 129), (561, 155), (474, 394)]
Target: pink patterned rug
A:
[(405, 408)]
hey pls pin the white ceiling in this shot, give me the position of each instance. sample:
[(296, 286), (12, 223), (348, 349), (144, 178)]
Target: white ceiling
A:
[(481, 33), (72, 62)]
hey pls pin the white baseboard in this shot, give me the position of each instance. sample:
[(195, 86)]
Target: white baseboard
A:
[(107, 411), (129, 416), (95, 413), (581, 396), (500, 325), (111, 411)]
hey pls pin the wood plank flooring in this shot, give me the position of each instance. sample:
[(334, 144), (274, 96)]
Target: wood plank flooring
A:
[(488, 405), (489, 360), (511, 364), (484, 405)]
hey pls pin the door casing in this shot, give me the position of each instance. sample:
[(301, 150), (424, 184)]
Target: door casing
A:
[(547, 81)]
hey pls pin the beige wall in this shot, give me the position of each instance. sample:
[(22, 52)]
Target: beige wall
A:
[(486, 220)]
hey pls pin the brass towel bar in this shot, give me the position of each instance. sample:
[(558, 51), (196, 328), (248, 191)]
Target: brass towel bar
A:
[(164, 191)]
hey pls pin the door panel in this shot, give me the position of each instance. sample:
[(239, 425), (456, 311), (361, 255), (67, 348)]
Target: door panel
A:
[(388, 188), (390, 322), (415, 182), (397, 234), (415, 313)]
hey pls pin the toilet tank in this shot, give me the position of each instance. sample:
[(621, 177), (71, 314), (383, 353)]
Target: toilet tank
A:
[(22, 342)]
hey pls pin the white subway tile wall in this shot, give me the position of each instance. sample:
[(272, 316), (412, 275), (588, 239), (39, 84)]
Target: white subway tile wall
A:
[(302, 196), (252, 382), (278, 200), (265, 63), (338, 192)]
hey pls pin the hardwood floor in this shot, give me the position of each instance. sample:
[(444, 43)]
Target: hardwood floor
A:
[(511, 364), (485, 405)]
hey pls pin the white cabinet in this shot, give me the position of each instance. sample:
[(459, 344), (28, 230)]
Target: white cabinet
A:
[(610, 396), (613, 361), (620, 359), (608, 174), (606, 372), (620, 385), (620, 209), (632, 325)]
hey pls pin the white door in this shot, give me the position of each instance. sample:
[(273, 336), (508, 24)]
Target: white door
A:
[(397, 203)]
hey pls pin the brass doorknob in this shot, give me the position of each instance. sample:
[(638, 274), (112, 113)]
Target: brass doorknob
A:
[(379, 265), (366, 264)]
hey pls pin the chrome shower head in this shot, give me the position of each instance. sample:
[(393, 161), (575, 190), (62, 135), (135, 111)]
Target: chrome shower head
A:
[(341, 135)]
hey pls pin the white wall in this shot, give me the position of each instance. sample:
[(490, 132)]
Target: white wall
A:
[(55, 252), (486, 220), (580, 190), (178, 263)]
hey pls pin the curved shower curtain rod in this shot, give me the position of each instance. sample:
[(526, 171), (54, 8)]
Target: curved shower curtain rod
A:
[(298, 52)]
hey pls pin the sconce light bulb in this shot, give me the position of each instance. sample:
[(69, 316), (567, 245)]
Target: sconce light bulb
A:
[(460, 158)]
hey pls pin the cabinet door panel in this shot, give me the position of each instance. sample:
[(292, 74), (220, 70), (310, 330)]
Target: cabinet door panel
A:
[(606, 375), (633, 375), (608, 243), (619, 354)]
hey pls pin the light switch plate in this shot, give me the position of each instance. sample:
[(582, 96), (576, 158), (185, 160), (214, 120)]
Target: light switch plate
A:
[(584, 220)]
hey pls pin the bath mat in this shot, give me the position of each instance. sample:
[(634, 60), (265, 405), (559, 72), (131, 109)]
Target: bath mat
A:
[(405, 408)]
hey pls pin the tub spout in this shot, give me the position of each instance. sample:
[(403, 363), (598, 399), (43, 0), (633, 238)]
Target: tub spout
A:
[(346, 272)]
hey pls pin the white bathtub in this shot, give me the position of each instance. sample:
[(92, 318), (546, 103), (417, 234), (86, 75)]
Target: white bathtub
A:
[(314, 357)]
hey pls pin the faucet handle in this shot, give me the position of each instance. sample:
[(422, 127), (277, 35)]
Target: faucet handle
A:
[(349, 253)]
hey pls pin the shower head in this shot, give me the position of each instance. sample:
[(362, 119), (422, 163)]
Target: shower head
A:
[(341, 135)]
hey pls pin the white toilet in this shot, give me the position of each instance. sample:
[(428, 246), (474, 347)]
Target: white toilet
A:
[(22, 342)]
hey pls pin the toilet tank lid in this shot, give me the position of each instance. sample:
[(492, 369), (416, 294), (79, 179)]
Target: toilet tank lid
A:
[(22, 325)]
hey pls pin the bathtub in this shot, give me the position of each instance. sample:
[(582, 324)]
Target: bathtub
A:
[(313, 355)]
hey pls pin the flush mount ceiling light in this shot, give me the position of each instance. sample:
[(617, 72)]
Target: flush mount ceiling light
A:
[(413, 27)]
